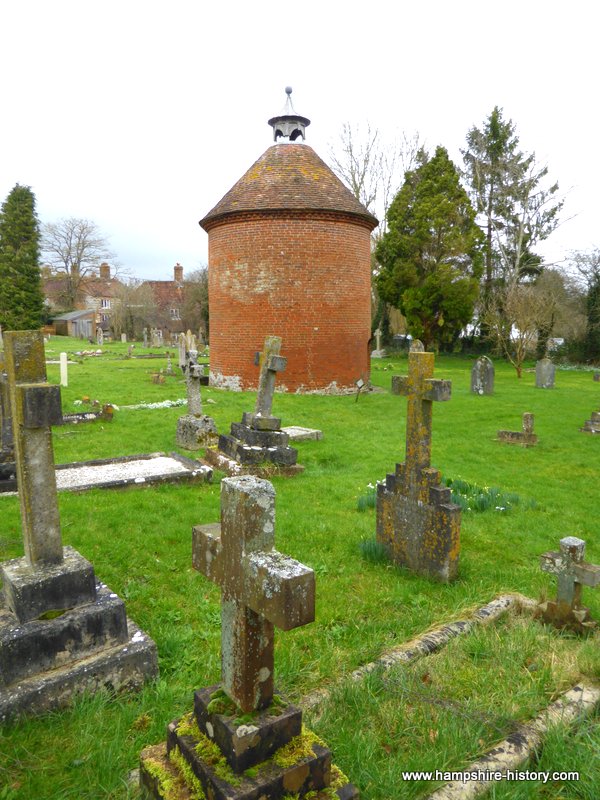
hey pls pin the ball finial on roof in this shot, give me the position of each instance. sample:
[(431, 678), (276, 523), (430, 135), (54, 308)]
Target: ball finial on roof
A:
[(288, 90)]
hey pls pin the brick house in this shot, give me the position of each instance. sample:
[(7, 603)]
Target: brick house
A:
[(97, 293), (169, 297)]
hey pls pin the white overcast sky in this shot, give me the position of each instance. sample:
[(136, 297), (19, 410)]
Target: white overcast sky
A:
[(141, 115)]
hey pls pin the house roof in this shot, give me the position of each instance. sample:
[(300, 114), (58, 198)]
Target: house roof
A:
[(73, 315), (290, 177)]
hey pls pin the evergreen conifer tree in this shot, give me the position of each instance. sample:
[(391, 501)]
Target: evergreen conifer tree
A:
[(431, 255), (21, 298)]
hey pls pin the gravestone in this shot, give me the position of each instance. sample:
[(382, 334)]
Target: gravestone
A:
[(99, 336), (156, 337), (572, 574), (194, 429), (416, 346), (7, 446), (145, 336), (592, 425), (417, 523), (170, 370), (260, 589), (525, 437), (258, 437), (544, 374), (482, 376), (124, 338), (61, 631), (597, 376), (64, 370), (378, 352)]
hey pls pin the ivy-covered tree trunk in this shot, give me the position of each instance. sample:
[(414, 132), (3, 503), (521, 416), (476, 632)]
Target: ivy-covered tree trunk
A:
[(21, 298)]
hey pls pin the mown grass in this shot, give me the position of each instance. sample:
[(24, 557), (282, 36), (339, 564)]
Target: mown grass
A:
[(139, 540)]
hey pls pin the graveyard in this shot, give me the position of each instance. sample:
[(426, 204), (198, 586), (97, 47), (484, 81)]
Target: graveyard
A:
[(442, 711)]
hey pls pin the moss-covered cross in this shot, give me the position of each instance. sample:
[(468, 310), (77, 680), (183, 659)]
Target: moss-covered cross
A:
[(260, 587), (421, 390)]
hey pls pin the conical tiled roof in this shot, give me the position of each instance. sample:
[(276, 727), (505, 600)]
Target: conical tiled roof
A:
[(288, 177)]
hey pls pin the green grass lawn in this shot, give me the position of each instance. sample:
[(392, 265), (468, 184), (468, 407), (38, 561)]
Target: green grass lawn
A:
[(139, 540)]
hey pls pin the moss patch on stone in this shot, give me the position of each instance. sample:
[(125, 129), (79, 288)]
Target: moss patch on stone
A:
[(191, 781)]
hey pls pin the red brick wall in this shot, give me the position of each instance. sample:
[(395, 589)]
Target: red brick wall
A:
[(305, 278)]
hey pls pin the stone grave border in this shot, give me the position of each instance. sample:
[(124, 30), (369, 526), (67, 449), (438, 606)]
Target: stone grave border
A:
[(574, 704), (196, 472)]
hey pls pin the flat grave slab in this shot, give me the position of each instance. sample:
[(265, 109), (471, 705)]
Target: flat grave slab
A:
[(297, 433), (111, 473)]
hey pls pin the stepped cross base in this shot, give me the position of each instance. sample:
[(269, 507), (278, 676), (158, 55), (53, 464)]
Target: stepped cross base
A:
[(225, 755), (419, 526), (194, 432)]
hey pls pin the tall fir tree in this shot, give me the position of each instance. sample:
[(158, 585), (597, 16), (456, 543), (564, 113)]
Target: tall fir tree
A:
[(21, 298), (514, 206), (431, 255)]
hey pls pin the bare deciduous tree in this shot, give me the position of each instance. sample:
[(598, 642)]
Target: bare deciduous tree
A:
[(372, 168), (74, 248), (513, 317), (134, 308)]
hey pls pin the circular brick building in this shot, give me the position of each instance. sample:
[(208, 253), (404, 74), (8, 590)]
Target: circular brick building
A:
[(289, 255)]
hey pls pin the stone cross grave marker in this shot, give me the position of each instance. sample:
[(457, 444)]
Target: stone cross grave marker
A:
[(260, 587), (416, 521), (544, 374), (88, 644), (194, 429), (270, 363), (259, 436), (482, 376), (572, 574)]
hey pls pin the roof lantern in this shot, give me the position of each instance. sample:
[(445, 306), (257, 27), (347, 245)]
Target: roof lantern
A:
[(289, 125)]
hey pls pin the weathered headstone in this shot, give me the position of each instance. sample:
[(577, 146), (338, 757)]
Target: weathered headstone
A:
[(124, 338), (258, 437), (260, 589), (130, 350), (86, 643), (572, 573), (170, 370), (99, 336), (597, 376), (417, 523), (544, 374), (417, 346), (525, 437), (156, 337), (145, 336), (194, 429), (482, 376), (592, 425)]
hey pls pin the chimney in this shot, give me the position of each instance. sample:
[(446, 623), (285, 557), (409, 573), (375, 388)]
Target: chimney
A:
[(178, 273), (105, 271)]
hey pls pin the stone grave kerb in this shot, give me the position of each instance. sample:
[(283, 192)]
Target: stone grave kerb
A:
[(571, 570), (422, 390), (260, 588)]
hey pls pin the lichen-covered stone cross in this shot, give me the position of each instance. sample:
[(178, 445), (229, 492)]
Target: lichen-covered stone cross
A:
[(35, 407), (571, 571), (188, 361), (260, 587), (421, 390), (270, 364)]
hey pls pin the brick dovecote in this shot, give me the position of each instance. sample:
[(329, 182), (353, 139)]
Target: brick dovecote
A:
[(289, 256)]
